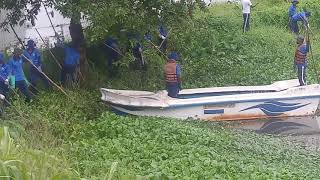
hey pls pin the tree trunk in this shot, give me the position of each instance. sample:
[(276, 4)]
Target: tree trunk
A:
[(77, 36)]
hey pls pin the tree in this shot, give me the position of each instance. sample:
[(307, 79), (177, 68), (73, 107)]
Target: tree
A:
[(105, 17)]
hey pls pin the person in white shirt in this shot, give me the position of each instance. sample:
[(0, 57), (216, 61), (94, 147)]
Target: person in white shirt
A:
[(246, 8)]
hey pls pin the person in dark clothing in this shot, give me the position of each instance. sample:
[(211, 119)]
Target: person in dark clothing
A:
[(113, 55), (163, 41)]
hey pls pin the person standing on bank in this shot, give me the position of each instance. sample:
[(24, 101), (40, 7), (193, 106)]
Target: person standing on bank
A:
[(16, 68), (33, 54), (300, 58), (292, 10), (246, 9)]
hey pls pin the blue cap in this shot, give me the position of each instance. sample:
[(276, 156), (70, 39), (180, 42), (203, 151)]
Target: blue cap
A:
[(31, 44), (173, 56), (295, 1)]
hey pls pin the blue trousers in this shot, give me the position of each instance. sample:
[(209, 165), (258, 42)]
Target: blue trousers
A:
[(173, 89), (294, 26), (302, 74), (35, 75), (23, 88), (68, 69)]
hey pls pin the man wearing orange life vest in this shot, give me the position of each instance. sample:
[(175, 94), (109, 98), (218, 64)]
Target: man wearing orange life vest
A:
[(172, 74), (300, 59)]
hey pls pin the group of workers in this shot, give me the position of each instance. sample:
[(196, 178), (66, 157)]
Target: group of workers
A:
[(300, 58), (303, 42), (12, 74), (172, 69)]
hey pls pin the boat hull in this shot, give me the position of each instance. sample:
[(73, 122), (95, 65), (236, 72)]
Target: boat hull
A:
[(231, 111), (294, 101)]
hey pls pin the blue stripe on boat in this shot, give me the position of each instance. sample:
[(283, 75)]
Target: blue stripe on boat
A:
[(243, 101), (275, 108), (214, 111)]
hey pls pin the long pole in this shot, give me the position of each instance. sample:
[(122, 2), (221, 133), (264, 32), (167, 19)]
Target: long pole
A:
[(50, 20), (165, 38), (54, 57), (45, 76), (15, 33), (114, 49)]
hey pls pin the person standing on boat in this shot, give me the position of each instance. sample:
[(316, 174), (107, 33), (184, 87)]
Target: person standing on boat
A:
[(34, 56), (71, 62), (300, 59), (172, 74), (246, 9), (292, 10), (303, 16), (16, 68)]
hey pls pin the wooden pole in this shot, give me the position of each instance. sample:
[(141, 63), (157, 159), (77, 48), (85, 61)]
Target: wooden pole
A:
[(165, 38), (45, 75), (15, 33)]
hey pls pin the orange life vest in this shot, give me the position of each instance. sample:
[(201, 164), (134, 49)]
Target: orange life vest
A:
[(300, 57), (170, 70)]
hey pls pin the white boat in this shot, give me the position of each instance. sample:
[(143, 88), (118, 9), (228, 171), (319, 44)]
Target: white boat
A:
[(280, 99)]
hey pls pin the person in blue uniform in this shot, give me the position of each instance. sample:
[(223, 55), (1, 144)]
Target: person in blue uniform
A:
[(292, 10), (173, 75), (4, 77), (300, 58), (16, 68), (303, 17), (33, 54), (70, 63)]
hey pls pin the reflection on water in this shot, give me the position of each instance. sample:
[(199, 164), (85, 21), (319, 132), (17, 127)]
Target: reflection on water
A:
[(286, 126)]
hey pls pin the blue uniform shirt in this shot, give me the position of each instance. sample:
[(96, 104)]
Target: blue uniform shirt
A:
[(4, 72), (34, 56), (72, 56), (292, 10), (16, 67), (299, 16)]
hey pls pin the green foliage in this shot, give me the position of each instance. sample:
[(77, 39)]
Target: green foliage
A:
[(103, 145), (18, 162), (82, 134)]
